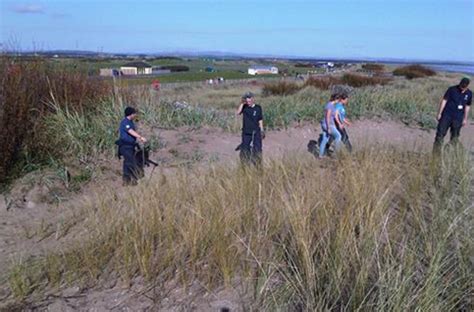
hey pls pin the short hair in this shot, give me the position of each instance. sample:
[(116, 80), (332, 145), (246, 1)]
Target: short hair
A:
[(334, 97), (464, 82), (129, 111), (342, 96)]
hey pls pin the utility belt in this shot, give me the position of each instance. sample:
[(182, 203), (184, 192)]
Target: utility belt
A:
[(250, 132), (120, 142)]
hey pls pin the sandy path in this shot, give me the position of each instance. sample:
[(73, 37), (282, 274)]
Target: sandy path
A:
[(22, 232)]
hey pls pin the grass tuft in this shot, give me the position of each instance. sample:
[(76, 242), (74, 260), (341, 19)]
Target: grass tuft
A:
[(383, 229)]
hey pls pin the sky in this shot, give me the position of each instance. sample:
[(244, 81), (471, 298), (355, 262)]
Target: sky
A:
[(412, 30)]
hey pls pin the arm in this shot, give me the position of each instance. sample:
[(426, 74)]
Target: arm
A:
[(260, 125), (340, 124), (442, 104), (347, 122), (136, 135), (241, 107), (466, 114), (327, 120)]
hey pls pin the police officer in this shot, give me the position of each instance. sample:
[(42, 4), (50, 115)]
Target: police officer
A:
[(127, 143), (252, 130), (453, 112)]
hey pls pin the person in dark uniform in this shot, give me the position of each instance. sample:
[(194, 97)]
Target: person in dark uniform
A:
[(453, 112), (252, 130), (127, 143)]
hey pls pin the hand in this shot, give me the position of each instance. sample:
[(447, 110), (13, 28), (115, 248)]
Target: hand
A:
[(439, 117), (464, 122), (142, 139), (263, 135)]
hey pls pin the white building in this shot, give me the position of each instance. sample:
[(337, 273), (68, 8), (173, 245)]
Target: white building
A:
[(261, 70), (136, 68)]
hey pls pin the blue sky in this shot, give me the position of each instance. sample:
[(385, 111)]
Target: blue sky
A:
[(416, 29)]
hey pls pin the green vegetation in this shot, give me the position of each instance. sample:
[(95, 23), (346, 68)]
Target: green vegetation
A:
[(185, 77), (62, 114), (395, 236), (391, 231)]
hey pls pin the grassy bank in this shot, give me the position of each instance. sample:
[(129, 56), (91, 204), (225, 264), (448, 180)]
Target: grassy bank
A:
[(384, 229), (51, 112)]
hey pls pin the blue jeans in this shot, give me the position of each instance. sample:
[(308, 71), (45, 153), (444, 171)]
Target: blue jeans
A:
[(334, 134)]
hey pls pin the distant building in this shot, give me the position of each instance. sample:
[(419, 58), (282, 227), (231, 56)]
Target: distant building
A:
[(136, 68), (324, 65), (261, 70), (109, 72)]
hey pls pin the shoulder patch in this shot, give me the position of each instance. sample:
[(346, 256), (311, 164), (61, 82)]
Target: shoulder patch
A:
[(127, 126)]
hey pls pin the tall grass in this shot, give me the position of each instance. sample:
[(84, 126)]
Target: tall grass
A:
[(26, 88), (382, 230)]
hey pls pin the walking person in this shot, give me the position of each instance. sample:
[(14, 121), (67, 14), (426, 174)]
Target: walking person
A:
[(453, 113), (328, 127), (342, 121), (127, 144), (252, 130)]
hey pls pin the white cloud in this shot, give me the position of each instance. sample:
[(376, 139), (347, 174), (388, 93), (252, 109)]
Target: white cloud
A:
[(28, 9)]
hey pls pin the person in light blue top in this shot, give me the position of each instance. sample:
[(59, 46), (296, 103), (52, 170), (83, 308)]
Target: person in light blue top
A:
[(329, 127), (341, 120)]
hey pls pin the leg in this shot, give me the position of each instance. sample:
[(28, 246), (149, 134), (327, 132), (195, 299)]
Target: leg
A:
[(245, 148), (455, 130), (324, 141), (129, 165), (257, 149), (345, 140), (441, 131), (337, 137)]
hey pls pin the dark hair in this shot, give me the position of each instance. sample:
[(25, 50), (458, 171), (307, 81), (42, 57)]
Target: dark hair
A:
[(342, 96), (129, 111), (334, 97), (464, 82)]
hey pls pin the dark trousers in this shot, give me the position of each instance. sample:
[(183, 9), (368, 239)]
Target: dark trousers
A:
[(447, 122), (344, 139), (130, 166), (251, 148)]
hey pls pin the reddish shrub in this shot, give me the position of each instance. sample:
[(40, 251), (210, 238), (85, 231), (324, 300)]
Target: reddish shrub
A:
[(280, 88), (323, 83), (26, 88), (358, 81), (414, 71), (373, 67)]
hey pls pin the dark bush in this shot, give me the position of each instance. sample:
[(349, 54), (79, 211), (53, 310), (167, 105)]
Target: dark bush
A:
[(323, 83), (414, 71), (304, 65), (26, 89), (280, 88), (358, 81), (176, 68), (373, 67)]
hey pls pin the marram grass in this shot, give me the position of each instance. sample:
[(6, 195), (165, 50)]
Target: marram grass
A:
[(380, 230)]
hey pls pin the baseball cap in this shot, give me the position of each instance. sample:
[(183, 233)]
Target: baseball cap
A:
[(129, 111), (247, 95)]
